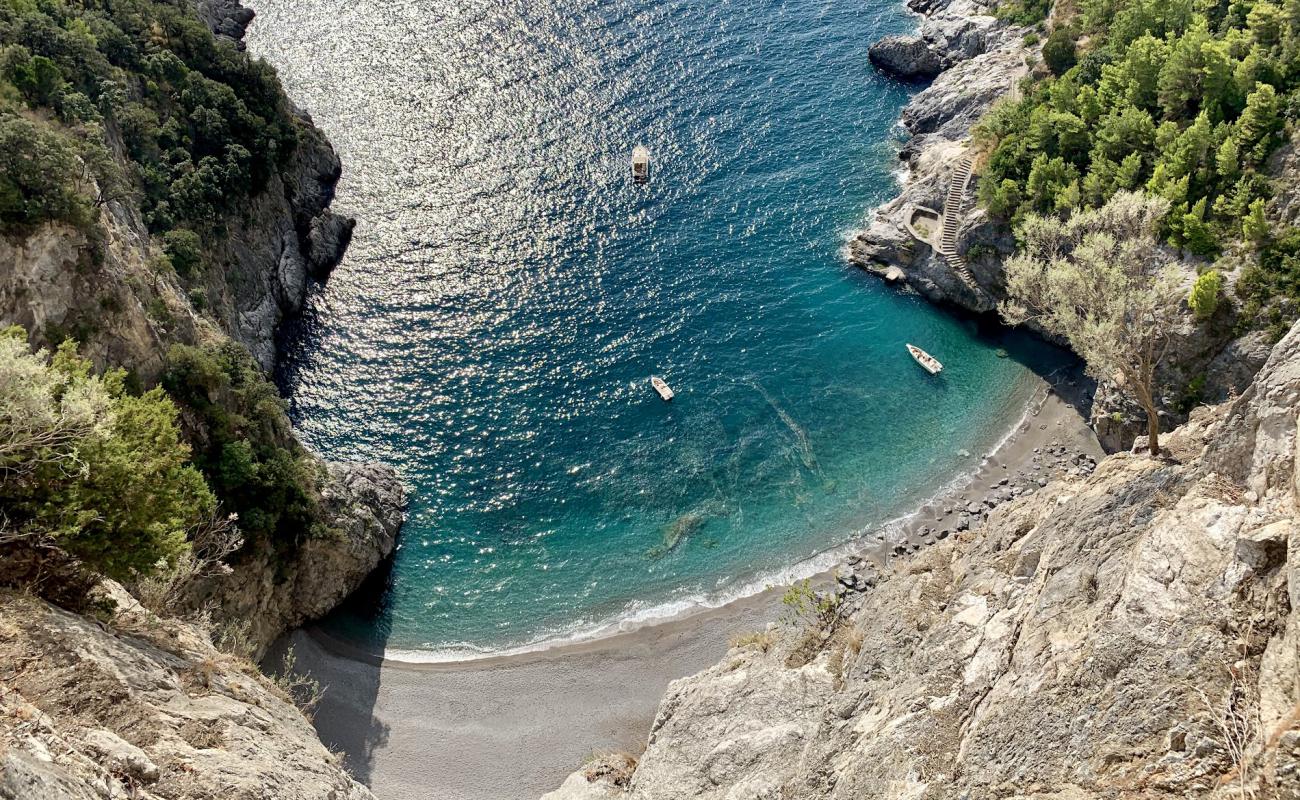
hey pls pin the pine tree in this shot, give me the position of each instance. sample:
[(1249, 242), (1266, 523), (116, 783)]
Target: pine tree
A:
[(1255, 227), (1198, 237)]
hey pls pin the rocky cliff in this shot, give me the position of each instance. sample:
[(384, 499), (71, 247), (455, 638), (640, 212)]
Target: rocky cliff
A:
[(133, 706), (975, 60), (1131, 633), (104, 288)]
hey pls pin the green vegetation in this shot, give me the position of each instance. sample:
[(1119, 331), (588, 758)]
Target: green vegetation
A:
[(99, 472), (1184, 100), (1100, 280), (1204, 297), (202, 125), (1059, 51), (249, 454), (1277, 275)]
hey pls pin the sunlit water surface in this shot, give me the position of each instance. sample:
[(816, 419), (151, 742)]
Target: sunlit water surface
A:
[(509, 291)]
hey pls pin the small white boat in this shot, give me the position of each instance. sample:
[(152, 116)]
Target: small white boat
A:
[(640, 164), (661, 386), (928, 362)]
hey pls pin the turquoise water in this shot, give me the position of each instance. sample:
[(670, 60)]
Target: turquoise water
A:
[(509, 291)]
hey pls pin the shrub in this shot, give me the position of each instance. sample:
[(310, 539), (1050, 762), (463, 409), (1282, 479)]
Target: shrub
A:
[(249, 456), (184, 250), (39, 175), (1059, 52), (99, 472), (1204, 298), (762, 641), (1255, 227)]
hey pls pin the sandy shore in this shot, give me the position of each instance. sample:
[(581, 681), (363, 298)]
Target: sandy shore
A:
[(513, 727)]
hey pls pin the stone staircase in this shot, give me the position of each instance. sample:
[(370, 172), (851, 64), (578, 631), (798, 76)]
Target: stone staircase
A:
[(953, 207)]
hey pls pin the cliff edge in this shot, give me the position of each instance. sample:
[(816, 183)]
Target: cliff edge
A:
[(134, 706), (1130, 633)]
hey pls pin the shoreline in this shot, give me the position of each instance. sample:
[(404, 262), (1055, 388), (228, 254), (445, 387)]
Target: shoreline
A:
[(897, 536), (516, 725)]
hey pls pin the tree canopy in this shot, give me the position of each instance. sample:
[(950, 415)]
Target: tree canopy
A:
[(1100, 280), (101, 473)]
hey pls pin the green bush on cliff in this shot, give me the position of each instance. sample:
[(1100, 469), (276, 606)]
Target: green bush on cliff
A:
[(249, 455), (40, 175), (1204, 297), (202, 123), (85, 465), (1058, 51), (184, 250)]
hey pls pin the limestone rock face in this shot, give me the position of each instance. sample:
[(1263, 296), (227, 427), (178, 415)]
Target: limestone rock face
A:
[(125, 312), (275, 591), (145, 708), (906, 57), (1090, 641)]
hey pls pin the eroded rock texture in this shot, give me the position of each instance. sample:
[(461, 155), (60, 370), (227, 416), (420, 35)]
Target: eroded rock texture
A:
[(1132, 633)]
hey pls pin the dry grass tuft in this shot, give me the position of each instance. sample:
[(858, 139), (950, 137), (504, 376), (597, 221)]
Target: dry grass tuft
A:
[(763, 640), (613, 767)]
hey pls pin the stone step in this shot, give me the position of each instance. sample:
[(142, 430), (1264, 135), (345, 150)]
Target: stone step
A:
[(954, 204)]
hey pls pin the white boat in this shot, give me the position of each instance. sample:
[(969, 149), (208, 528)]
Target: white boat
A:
[(640, 164), (665, 391), (928, 362)]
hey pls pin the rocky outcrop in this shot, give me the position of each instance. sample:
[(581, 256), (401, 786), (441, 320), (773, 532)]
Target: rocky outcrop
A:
[(226, 18), (906, 56), (978, 60), (290, 237), (290, 234), (141, 707), (272, 590), (1132, 632), (950, 32), (103, 288)]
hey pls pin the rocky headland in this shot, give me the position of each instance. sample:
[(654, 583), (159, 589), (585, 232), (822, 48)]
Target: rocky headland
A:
[(115, 701), (975, 60)]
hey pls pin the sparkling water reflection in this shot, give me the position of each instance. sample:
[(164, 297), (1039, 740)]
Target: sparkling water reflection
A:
[(509, 291)]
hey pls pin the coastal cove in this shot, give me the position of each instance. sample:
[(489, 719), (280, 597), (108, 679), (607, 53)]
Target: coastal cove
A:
[(507, 293), (515, 725)]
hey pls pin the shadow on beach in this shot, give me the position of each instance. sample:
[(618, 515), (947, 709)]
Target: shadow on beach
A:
[(345, 718), (1060, 368)]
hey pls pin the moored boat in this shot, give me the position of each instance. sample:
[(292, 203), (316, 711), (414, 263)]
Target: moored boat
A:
[(640, 164), (928, 362), (661, 386)]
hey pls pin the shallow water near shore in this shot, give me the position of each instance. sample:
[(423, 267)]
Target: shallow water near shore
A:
[(509, 291)]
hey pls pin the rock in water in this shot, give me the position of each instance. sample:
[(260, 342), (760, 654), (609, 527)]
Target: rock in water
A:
[(905, 56)]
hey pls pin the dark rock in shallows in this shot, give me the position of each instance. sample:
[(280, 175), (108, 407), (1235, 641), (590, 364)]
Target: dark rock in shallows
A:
[(328, 240), (903, 56)]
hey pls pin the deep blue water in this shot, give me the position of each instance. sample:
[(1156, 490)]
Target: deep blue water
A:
[(509, 291)]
